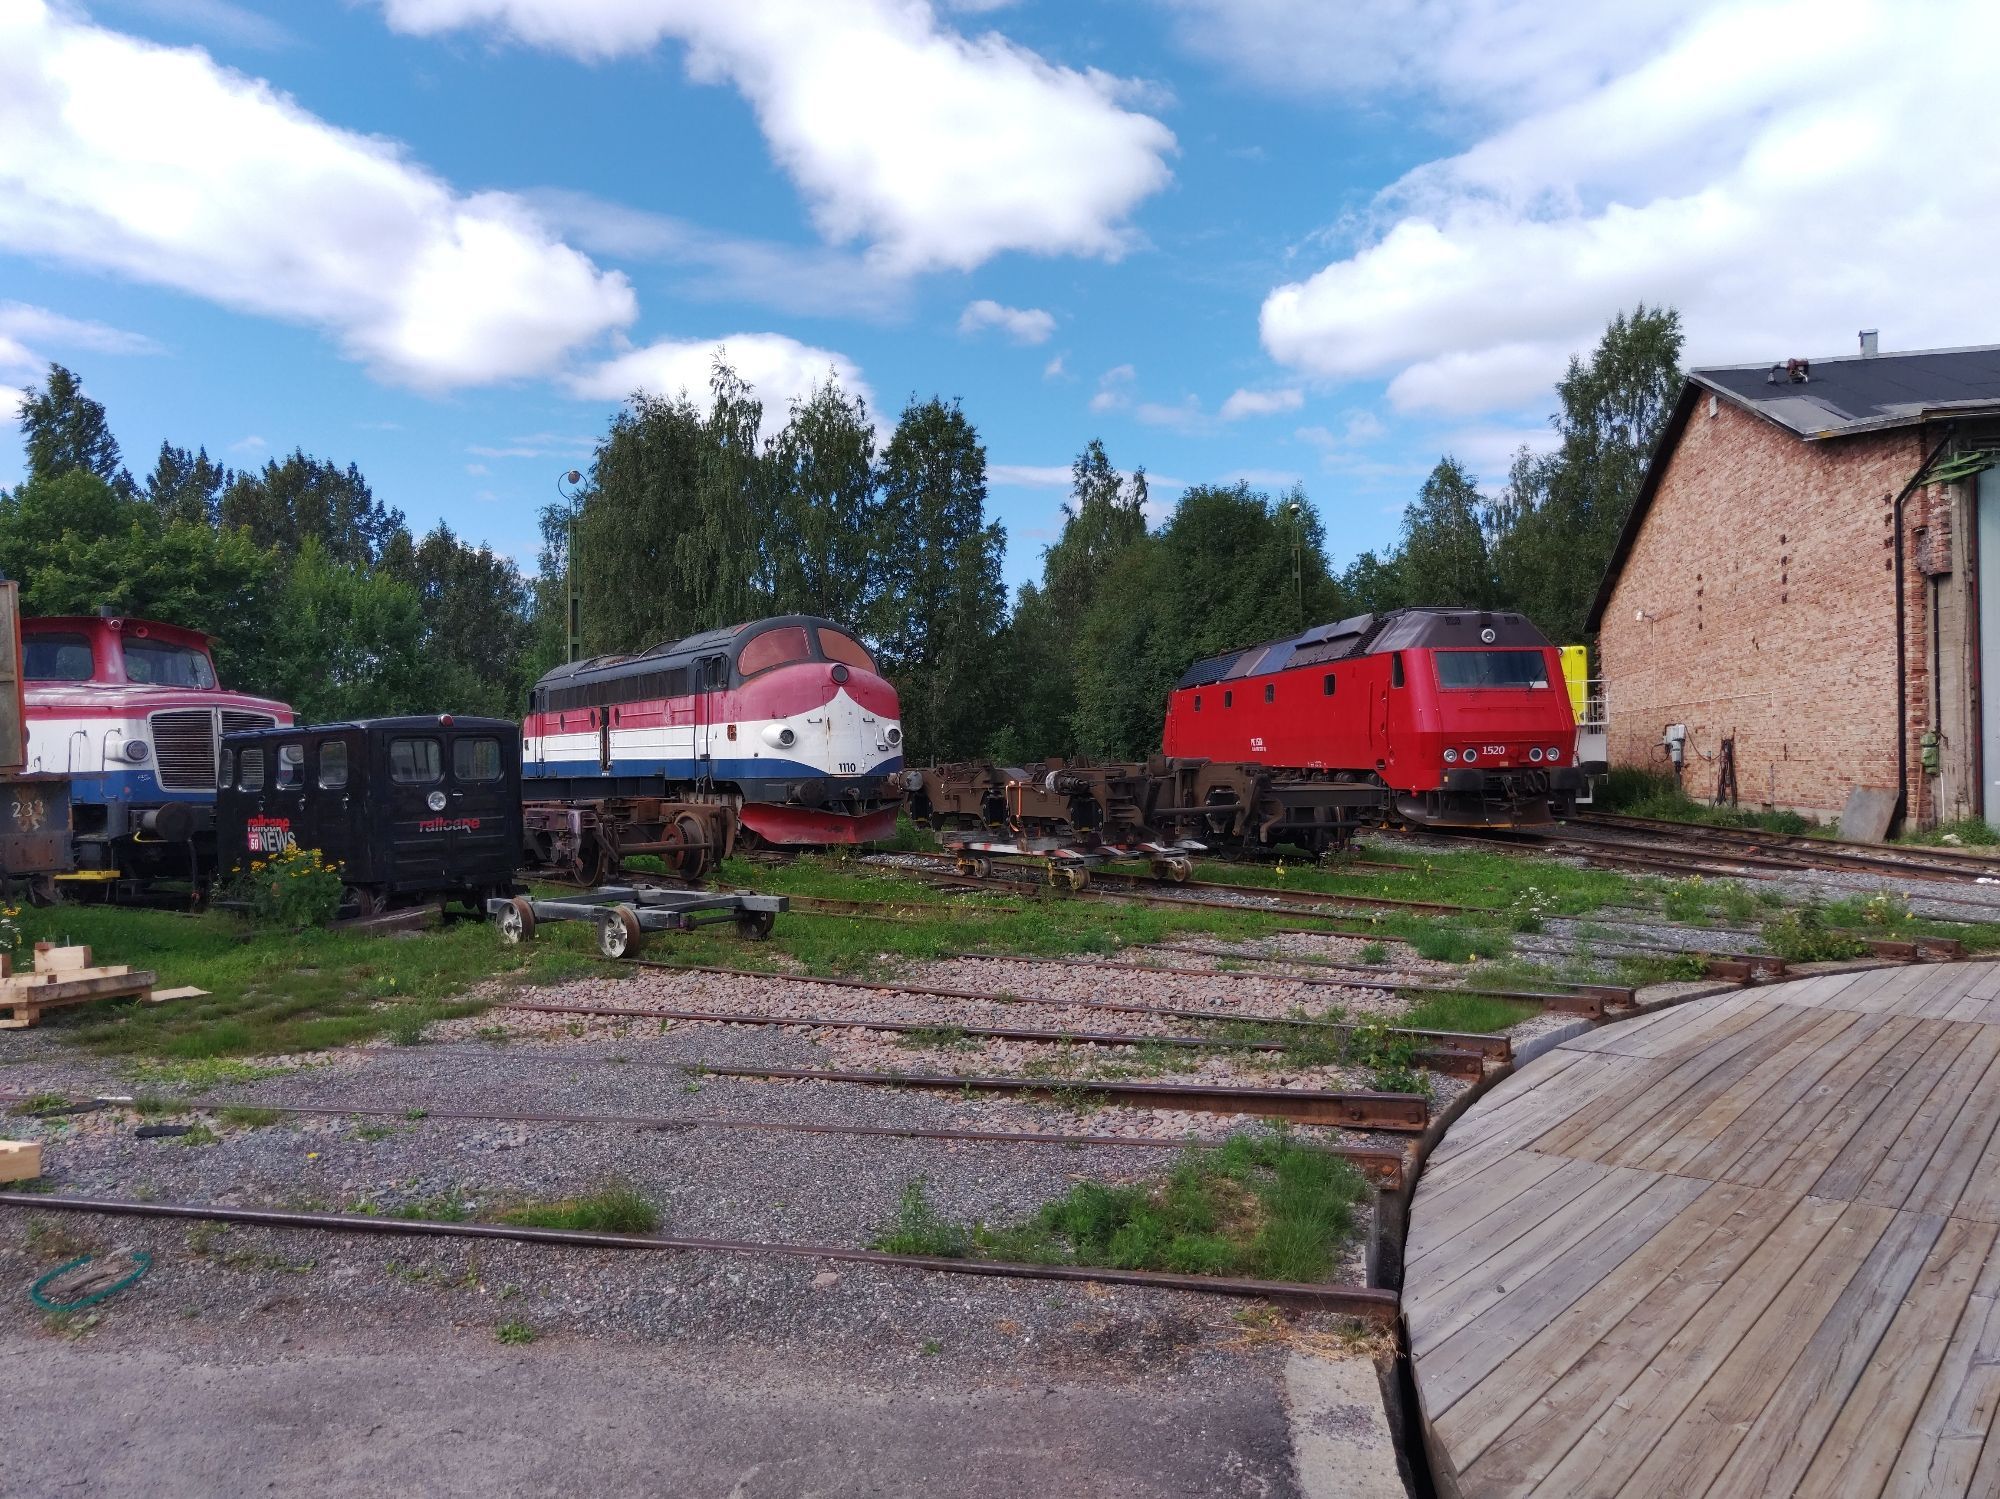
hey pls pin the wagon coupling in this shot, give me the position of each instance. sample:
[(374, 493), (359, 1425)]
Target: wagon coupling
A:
[(626, 914)]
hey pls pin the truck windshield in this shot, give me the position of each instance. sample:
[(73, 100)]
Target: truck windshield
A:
[(1459, 669), (158, 664)]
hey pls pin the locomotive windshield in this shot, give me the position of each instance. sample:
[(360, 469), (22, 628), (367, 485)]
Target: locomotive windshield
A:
[(158, 664), (838, 647), (56, 658), (1457, 669), (777, 647)]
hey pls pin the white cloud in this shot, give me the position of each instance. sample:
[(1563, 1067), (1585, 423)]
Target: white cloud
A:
[(11, 398), (778, 369), (1054, 370), (1114, 388), (1244, 403), (159, 165), (1750, 164), (1029, 475), (936, 148), (1262, 478), (1488, 450), (1025, 325), (1184, 416), (250, 445), (476, 469), (22, 324), (219, 19)]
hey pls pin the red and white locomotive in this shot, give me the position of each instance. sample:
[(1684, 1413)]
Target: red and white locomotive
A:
[(1460, 715), (784, 719), (132, 712)]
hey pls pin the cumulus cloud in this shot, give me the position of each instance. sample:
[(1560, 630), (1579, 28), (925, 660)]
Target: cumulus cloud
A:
[(778, 369), (1749, 164), (159, 165), (1025, 325), (1114, 388), (1242, 403), (939, 150), (1029, 475)]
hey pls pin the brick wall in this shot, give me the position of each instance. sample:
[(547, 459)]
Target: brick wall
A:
[(1763, 570)]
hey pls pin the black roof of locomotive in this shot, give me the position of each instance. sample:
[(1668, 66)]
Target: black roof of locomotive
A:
[(674, 652), (397, 723), (1367, 635)]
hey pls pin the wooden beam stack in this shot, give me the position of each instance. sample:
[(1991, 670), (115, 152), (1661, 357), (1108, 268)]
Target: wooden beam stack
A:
[(63, 976)]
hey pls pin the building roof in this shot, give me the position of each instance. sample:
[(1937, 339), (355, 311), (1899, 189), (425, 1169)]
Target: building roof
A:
[(1861, 393), (1840, 397)]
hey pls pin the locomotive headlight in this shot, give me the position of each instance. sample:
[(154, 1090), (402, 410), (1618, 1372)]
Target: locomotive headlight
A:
[(780, 736), (1555, 754), (1451, 757), (894, 736), (1471, 755), (136, 750), (1535, 755)]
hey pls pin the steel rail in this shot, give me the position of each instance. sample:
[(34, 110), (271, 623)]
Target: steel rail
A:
[(1381, 1165), (1461, 1040), (1408, 1112), (1355, 1301), (1794, 850)]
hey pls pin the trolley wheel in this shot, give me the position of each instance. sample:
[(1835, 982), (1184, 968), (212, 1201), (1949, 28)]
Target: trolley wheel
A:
[(755, 926), (1179, 869), (358, 902), (1068, 876), (516, 921), (619, 934), (595, 863), (694, 858), (969, 867)]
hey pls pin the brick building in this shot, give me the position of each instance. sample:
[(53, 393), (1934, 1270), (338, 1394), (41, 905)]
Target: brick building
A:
[(1759, 593)]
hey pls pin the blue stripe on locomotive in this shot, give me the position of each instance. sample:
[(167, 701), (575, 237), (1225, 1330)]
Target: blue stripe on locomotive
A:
[(135, 787)]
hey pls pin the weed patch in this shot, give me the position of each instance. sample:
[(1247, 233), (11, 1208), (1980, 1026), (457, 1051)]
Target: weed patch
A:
[(249, 1116), (1802, 935), (611, 1209)]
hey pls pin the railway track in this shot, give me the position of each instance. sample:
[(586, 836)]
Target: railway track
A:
[(1789, 850), (1367, 1302)]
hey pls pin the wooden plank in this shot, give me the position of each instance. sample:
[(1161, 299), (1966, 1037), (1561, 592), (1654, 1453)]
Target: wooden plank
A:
[(1652, 1035), (1780, 1443), (1699, 1250), (1440, 1215), (1705, 1431), (1944, 987), (1460, 1361), (1436, 1316), (1808, 1139), (1941, 1454), (1767, 1114), (1972, 1004), (1702, 1022), (1527, 1200), (1674, 1336), (53, 958), (1700, 1114), (20, 1160), (1863, 1153), (183, 991), (1864, 1441), (1534, 1116), (1962, 1144), (1938, 1124)]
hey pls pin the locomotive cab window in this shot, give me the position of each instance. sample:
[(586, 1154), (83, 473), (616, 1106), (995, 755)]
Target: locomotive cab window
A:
[(842, 649), (1326, 685), (1197, 702), (1467, 669), (253, 770), (1270, 692), (56, 658), (476, 759), (1396, 669), (332, 764), (779, 647), (1228, 699), (291, 768), (415, 762)]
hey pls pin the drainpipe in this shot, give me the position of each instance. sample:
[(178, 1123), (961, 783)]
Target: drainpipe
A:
[(1902, 662)]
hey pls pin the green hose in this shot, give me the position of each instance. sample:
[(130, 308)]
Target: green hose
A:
[(143, 1260)]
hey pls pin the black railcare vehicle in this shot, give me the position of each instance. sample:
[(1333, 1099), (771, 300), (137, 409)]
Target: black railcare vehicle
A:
[(411, 808)]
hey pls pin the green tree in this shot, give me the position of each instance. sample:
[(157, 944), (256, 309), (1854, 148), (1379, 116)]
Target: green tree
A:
[(349, 643), (1444, 557), (297, 499), (1559, 520), (1373, 583), (64, 429), (819, 533), (475, 607), (941, 601), (186, 486), (667, 540)]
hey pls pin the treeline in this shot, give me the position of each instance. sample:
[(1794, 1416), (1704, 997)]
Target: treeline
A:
[(690, 517)]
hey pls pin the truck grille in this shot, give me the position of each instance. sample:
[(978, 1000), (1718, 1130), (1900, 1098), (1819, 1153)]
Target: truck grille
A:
[(184, 748)]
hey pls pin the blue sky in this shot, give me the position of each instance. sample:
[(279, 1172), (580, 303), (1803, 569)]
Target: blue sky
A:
[(1268, 239)]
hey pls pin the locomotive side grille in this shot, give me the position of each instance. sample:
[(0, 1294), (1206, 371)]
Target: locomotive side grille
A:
[(236, 721), (184, 748)]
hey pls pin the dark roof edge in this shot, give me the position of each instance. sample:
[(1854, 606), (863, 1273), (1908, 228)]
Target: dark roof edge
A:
[(1656, 467)]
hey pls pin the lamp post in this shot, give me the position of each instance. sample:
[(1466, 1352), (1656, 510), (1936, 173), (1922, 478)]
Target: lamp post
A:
[(1297, 513), (572, 478)]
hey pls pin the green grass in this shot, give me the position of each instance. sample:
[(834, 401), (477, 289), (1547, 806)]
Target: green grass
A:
[(1265, 1206), (249, 1116), (1966, 832), (447, 1207), (1803, 935), (1650, 793), (275, 992), (1467, 1012), (515, 1332), (611, 1209), (1494, 883)]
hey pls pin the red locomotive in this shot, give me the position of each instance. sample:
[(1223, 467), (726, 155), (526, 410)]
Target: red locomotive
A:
[(1459, 716)]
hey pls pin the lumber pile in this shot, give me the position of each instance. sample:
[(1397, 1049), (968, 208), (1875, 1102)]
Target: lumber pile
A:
[(63, 976)]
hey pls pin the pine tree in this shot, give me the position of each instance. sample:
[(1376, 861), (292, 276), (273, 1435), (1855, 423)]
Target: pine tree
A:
[(186, 486), (65, 430)]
